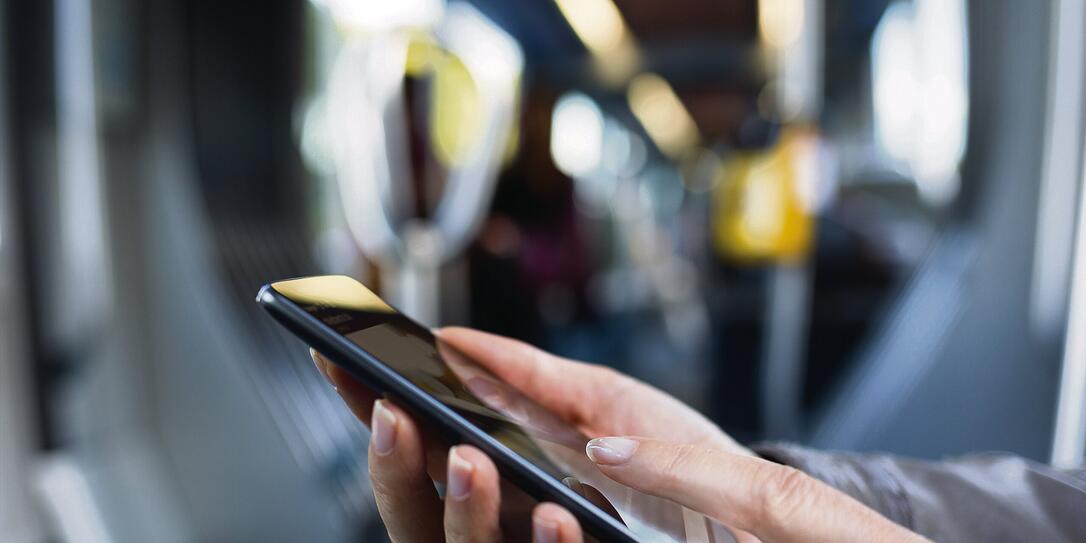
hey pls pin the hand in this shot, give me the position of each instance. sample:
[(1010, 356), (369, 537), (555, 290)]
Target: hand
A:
[(708, 472), (405, 462), (767, 501)]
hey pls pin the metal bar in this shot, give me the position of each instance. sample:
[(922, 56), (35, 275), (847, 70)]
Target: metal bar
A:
[(1056, 214), (1069, 438), (785, 348), (81, 277), (1067, 101)]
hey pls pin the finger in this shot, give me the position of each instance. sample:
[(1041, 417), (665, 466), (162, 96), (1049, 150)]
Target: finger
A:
[(360, 400), (720, 532), (404, 493), (318, 361), (594, 398), (358, 397), (771, 501), (738, 536), (472, 497), (553, 524), (563, 386)]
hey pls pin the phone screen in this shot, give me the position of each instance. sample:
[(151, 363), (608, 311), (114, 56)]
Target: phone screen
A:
[(509, 417)]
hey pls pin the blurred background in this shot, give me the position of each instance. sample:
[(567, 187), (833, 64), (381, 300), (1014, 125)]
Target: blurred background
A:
[(845, 223)]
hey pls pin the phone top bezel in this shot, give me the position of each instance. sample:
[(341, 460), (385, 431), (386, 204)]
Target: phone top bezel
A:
[(386, 381)]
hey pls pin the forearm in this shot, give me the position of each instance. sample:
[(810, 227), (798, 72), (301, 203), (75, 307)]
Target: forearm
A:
[(977, 498)]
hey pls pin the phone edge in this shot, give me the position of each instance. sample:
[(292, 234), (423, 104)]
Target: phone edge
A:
[(375, 374)]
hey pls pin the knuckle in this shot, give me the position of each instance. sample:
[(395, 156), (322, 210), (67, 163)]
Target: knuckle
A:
[(786, 491), (676, 466), (457, 531), (618, 385), (604, 373), (538, 357), (598, 373), (388, 477), (615, 380), (379, 482)]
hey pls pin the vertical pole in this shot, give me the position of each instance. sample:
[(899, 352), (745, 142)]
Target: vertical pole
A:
[(1069, 439), (1059, 177), (785, 345), (82, 277), (1065, 170), (418, 288)]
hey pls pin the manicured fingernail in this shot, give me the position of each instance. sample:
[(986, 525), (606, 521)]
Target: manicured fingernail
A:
[(544, 531), (383, 436), (611, 451), (458, 484)]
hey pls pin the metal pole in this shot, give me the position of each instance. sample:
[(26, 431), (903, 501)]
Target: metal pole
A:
[(1059, 177), (785, 347), (366, 116), (1069, 439)]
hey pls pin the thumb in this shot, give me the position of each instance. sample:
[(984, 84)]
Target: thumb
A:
[(774, 502)]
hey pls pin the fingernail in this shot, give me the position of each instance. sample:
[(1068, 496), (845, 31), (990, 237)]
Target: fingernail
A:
[(458, 484), (319, 363), (383, 435), (545, 532), (611, 451)]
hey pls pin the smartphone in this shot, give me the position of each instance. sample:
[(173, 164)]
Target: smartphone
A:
[(533, 448)]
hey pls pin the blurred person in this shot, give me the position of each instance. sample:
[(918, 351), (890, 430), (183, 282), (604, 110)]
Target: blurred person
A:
[(650, 441)]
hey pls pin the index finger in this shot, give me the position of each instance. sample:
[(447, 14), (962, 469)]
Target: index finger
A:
[(771, 501), (563, 386)]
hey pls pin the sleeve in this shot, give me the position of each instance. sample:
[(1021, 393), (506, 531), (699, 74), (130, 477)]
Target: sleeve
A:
[(975, 498)]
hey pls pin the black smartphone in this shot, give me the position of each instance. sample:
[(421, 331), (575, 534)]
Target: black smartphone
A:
[(532, 448)]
